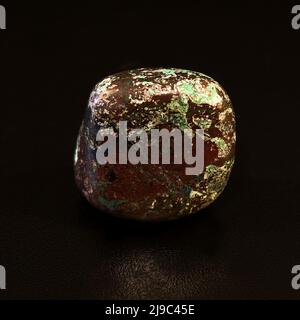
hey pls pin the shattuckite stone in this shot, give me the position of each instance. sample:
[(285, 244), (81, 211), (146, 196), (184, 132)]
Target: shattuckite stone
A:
[(156, 98)]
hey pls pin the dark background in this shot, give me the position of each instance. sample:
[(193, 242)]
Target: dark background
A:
[(55, 245)]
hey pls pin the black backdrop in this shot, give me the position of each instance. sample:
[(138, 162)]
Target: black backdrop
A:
[(54, 245)]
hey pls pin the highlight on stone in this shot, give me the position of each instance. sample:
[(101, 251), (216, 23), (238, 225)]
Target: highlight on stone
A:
[(158, 101)]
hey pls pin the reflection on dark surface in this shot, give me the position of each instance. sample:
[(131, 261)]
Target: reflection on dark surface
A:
[(154, 260)]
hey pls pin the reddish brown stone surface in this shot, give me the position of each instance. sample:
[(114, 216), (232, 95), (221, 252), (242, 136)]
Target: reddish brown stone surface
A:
[(147, 99)]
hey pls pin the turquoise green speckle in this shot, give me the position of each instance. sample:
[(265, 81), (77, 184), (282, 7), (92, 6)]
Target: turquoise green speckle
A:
[(110, 204), (222, 146), (180, 109), (209, 95), (168, 71), (211, 169), (203, 123)]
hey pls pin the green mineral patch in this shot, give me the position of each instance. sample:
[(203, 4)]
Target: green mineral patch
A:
[(168, 71), (213, 93), (179, 121), (210, 170), (178, 105), (188, 89), (202, 123), (193, 91), (222, 146), (111, 204), (179, 109)]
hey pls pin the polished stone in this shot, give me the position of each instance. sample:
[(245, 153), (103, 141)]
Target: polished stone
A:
[(156, 98)]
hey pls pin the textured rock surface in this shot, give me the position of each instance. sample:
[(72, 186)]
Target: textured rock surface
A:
[(156, 98)]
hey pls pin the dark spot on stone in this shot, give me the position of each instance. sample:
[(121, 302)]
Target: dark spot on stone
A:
[(111, 176)]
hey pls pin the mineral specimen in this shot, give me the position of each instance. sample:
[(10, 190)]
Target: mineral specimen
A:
[(155, 99)]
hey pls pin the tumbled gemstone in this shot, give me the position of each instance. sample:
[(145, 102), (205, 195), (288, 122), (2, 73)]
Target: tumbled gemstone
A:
[(156, 99)]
